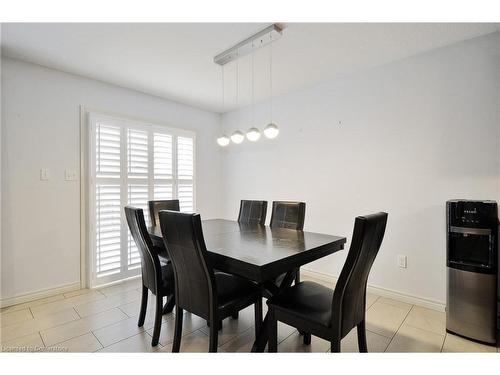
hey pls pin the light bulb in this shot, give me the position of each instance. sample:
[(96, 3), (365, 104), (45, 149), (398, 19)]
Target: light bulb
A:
[(253, 134), (223, 140), (237, 137), (271, 131)]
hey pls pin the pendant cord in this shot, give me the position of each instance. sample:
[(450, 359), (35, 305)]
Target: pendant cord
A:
[(271, 74), (253, 83)]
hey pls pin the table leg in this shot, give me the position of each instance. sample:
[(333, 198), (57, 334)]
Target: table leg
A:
[(261, 340)]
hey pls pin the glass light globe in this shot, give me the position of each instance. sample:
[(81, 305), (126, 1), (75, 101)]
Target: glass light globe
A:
[(223, 140), (253, 134), (271, 131), (237, 137)]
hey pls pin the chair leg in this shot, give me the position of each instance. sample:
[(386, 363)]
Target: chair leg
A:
[(272, 343), (307, 339), (258, 316), (144, 305), (335, 346), (169, 306), (176, 346), (214, 336), (361, 328), (158, 315), (297, 277)]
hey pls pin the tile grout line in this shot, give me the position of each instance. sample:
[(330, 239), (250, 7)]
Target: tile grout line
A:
[(395, 333), (93, 334)]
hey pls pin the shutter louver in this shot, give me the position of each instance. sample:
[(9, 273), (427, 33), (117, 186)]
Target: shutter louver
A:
[(108, 151), (132, 163), (185, 173), (162, 156)]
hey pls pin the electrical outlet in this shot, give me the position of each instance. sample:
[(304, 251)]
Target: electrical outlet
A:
[(44, 174), (70, 175), (402, 261)]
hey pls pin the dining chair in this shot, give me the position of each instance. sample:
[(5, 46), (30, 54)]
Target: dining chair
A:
[(252, 212), (327, 313), (156, 206), (156, 277), (198, 289), (289, 215)]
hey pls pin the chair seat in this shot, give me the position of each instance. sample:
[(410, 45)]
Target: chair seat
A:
[(167, 279), (231, 288), (307, 301)]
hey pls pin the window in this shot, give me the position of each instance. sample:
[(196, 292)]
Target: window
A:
[(131, 163)]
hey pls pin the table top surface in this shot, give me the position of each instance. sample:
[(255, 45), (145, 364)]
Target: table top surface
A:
[(259, 245)]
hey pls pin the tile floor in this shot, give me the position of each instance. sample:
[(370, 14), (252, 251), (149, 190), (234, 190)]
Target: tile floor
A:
[(105, 320)]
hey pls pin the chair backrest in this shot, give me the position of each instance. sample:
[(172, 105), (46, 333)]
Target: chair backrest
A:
[(156, 206), (252, 212), (288, 215), (349, 298), (195, 286), (150, 263)]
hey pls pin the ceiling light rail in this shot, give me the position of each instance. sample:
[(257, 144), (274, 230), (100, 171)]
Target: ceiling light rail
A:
[(258, 40)]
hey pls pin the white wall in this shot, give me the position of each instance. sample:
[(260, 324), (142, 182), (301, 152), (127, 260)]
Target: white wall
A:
[(413, 134), (40, 126)]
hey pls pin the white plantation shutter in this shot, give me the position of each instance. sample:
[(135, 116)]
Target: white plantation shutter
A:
[(185, 170), (132, 163)]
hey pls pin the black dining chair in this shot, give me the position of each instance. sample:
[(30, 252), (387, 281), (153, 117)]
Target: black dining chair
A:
[(198, 289), (156, 206), (252, 212), (156, 277), (332, 314), (288, 215)]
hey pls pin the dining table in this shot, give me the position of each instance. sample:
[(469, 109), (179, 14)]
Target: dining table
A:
[(261, 254)]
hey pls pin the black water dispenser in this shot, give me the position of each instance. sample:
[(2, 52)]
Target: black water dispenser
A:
[(473, 293)]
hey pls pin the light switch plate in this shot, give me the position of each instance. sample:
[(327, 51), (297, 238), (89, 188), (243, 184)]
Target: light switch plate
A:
[(70, 175), (44, 174), (402, 261)]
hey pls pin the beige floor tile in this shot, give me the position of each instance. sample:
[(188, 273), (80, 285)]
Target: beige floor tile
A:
[(82, 326), (66, 303), (427, 319), (123, 329), (14, 317), (82, 344), (376, 343), (28, 343), (410, 340), (108, 303), (34, 303), (384, 319), (240, 344), (32, 326), (395, 303), (136, 344), (232, 327), (456, 344), (190, 324), (194, 342), (120, 288), (78, 292), (294, 343), (371, 299)]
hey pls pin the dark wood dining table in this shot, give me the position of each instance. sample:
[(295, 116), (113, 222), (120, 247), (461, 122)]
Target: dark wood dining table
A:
[(261, 254)]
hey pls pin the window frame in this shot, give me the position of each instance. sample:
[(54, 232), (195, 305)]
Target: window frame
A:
[(124, 123)]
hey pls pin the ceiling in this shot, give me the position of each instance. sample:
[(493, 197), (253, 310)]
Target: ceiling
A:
[(175, 60)]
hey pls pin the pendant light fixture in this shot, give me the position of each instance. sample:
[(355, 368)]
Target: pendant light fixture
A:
[(223, 140), (271, 130), (253, 134), (243, 48)]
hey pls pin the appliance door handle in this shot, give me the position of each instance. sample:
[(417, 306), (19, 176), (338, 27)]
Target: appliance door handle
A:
[(475, 231)]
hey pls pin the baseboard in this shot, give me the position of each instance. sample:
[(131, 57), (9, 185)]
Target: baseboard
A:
[(381, 291), (42, 293)]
